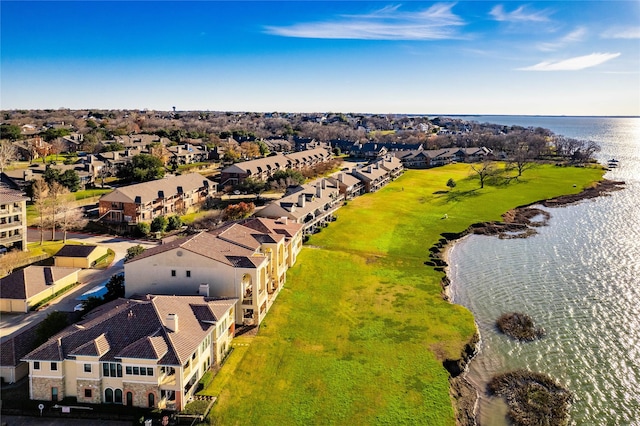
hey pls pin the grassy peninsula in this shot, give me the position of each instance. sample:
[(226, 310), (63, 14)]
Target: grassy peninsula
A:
[(360, 331)]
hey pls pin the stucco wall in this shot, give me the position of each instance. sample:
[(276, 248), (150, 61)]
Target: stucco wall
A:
[(152, 275)]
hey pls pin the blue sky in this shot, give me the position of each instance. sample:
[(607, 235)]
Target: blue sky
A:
[(467, 57)]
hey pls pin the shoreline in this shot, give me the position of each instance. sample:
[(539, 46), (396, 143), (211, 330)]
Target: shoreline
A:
[(517, 223)]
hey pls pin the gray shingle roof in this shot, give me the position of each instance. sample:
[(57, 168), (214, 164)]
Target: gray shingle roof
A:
[(148, 191)]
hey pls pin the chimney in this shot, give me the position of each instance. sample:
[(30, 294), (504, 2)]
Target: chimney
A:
[(354, 170), (179, 150), (171, 322), (115, 155), (319, 190), (369, 169), (301, 200), (324, 183), (340, 178), (203, 290)]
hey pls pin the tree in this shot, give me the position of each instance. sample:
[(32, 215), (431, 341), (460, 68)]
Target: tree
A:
[(134, 251), (174, 222), (8, 154), (40, 193), (57, 146), (142, 168), (10, 131), (70, 179), (289, 174), (54, 203), (252, 186), (451, 183), (115, 287), (70, 216), (52, 324), (159, 224), (484, 170)]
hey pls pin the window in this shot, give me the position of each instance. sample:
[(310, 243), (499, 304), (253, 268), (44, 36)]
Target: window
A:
[(111, 369), (36, 365), (108, 395), (149, 371), (87, 393), (152, 400), (173, 272), (136, 371), (54, 394), (54, 366), (129, 370), (118, 396), (129, 399), (188, 274), (87, 368)]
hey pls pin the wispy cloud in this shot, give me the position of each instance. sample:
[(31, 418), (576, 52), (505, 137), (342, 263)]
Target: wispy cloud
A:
[(435, 23), (521, 14), (574, 36), (573, 64), (626, 33)]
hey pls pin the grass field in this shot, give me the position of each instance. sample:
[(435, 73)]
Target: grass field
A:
[(359, 332)]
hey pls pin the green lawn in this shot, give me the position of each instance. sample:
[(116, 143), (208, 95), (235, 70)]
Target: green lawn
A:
[(359, 332)]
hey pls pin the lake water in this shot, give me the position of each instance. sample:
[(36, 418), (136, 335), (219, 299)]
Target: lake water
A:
[(579, 279)]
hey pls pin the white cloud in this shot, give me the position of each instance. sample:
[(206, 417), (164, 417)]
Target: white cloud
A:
[(573, 64), (574, 36), (519, 15), (625, 33), (434, 23)]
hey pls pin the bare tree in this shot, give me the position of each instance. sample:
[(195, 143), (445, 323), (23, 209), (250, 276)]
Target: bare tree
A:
[(40, 191), (522, 159), (55, 202), (8, 154), (69, 215), (484, 170), (57, 146)]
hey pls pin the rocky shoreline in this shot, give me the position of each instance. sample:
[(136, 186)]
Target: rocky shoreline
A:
[(519, 222)]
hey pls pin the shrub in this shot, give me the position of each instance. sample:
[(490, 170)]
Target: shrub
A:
[(142, 229), (159, 224), (174, 222)]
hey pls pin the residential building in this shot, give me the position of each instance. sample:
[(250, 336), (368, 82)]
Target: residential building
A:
[(13, 218), (187, 154), (246, 260), (348, 185), (145, 201), (24, 288), (259, 169), (311, 205), (264, 168), (143, 353)]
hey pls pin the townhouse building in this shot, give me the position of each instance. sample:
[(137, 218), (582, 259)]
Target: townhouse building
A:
[(311, 205), (145, 201), (247, 260), (145, 353), (263, 168)]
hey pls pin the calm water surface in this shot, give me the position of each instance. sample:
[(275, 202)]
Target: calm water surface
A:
[(579, 278)]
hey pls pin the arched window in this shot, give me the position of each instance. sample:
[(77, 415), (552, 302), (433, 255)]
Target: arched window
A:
[(152, 400), (108, 395), (129, 399), (118, 396)]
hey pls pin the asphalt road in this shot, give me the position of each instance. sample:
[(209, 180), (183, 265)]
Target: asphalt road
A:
[(89, 278)]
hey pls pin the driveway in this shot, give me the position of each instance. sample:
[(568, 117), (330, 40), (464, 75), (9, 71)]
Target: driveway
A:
[(88, 278)]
